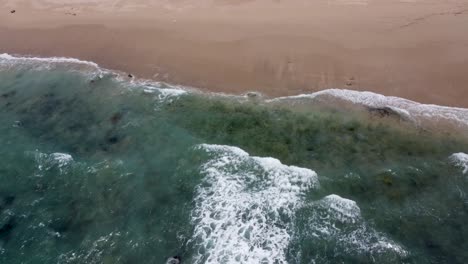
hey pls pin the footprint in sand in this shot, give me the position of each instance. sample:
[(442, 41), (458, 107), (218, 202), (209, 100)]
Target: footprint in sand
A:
[(350, 81)]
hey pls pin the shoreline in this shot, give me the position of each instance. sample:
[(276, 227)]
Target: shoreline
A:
[(406, 49), (444, 120)]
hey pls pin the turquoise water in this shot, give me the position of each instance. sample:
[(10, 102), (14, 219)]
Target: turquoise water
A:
[(100, 169)]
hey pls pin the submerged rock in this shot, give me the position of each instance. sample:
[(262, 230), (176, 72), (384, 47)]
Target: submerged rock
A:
[(113, 140), (387, 180), (8, 200), (7, 228), (115, 118), (383, 111), (8, 94), (253, 94)]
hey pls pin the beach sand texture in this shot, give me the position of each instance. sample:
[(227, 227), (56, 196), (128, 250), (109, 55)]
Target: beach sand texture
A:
[(412, 49)]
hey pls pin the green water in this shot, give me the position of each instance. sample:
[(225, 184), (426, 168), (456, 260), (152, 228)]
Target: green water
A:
[(98, 170)]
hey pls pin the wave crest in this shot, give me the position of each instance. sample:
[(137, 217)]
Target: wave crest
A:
[(245, 207)]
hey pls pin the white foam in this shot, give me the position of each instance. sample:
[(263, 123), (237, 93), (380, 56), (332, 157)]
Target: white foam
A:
[(163, 92), (95, 251), (47, 162), (7, 57), (405, 107), (344, 209), (337, 219), (245, 207), (62, 159), (461, 160)]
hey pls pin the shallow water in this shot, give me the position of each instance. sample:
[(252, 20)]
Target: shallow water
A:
[(96, 168)]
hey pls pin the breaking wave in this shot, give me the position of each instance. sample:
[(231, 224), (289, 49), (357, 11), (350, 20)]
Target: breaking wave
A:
[(245, 207)]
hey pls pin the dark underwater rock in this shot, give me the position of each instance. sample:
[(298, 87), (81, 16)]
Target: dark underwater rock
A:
[(115, 118), (8, 94), (62, 226), (7, 228), (384, 112), (8, 200), (49, 106), (113, 140)]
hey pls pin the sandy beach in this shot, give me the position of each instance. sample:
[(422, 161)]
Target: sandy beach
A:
[(407, 48)]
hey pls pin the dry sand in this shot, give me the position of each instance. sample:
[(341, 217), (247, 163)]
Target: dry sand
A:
[(417, 49)]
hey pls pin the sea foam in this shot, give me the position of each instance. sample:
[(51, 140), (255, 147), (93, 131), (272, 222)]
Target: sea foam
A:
[(406, 108), (460, 160), (46, 162), (338, 220), (30, 63), (245, 207), (10, 58), (163, 91)]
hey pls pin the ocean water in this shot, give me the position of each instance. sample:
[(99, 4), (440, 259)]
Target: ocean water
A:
[(96, 167)]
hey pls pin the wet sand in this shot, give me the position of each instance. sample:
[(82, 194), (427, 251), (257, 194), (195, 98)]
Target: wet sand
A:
[(412, 49)]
